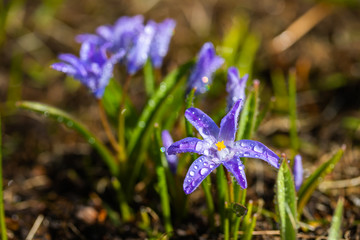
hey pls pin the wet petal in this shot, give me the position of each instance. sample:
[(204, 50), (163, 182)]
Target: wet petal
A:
[(171, 159), (74, 61), (188, 144), (161, 41), (298, 171), (203, 124), (65, 68), (237, 168), (254, 149), (197, 172), (228, 125), (235, 86)]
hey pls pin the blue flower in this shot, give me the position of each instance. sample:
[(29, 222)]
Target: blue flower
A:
[(219, 147), (160, 44), (298, 171), (171, 159), (208, 62), (235, 86), (121, 36), (139, 52), (93, 69)]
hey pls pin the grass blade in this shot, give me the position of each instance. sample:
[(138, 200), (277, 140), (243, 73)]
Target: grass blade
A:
[(335, 229), (312, 182), (71, 122), (154, 103), (247, 54), (286, 202), (2, 210), (294, 139), (149, 78)]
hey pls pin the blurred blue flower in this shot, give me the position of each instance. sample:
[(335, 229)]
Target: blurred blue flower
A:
[(93, 69), (121, 36), (171, 159), (139, 52), (298, 171), (208, 62), (219, 147), (160, 44), (235, 86)]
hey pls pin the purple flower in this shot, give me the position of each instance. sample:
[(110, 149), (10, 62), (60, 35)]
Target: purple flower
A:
[(93, 68), (171, 159), (138, 54), (161, 41), (121, 36), (298, 171), (219, 147), (235, 86), (208, 62)]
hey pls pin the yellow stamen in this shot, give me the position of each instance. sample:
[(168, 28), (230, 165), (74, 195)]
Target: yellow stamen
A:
[(220, 145)]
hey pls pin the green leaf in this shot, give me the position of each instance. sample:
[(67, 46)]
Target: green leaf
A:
[(70, 122), (2, 209), (154, 104), (286, 202), (335, 229), (312, 182), (247, 55), (149, 78), (112, 98), (233, 39), (294, 139)]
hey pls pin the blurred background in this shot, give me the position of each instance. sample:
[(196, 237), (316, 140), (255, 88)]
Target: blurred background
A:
[(44, 162)]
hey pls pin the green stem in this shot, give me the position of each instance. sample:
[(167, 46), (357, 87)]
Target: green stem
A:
[(121, 128), (292, 111), (124, 207), (106, 126), (2, 210)]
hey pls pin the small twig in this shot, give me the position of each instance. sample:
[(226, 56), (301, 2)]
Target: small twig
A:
[(300, 27), (35, 227), (346, 183), (106, 126)]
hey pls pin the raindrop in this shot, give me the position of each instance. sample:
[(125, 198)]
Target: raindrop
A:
[(200, 160), (204, 171), (162, 149), (246, 154), (46, 113), (69, 124), (196, 167), (206, 152), (205, 163), (60, 119), (163, 87), (191, 173), (241, 167), (141, 124), (211, 166), (91, 140), (258, 149), (151, 103)]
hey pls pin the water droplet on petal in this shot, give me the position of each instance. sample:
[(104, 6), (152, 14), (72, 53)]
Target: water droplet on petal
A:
[(204, 171), (258, 149), (205, 163), (211, 166), (191, 173), (206, 152), (162, 149), (196, 167)]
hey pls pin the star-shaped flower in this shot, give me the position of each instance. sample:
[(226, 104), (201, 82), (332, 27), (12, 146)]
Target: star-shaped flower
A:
[(219, 147), (93, 69)]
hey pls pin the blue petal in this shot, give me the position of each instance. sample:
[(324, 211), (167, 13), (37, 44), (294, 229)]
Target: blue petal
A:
[(235, 86), (140, 51), (206, 65), (105, 31), (203, 124), (254, 149), (171, 159), (298, 172), (75, 62), (92, 38), (188, 144), (161, 41), (65, 68), (236, 167), (228, 125), (197, 172)]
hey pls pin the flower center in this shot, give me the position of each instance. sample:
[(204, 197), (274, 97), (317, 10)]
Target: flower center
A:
[(220, 145)]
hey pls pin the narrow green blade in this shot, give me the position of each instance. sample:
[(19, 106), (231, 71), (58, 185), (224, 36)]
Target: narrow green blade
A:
[(154, 103), (2, 210), (70, 122), (286, 202), (335, 229), (309, 186)]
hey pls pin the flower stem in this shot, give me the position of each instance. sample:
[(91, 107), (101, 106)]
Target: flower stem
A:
[(2, 210), (121, 133), (106, 126)]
